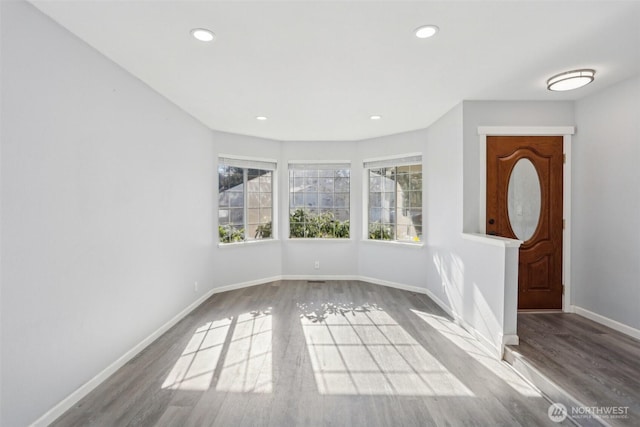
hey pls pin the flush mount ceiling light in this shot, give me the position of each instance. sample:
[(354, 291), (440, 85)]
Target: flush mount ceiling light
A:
[(426, 31), (375, 117), (202, 34), (261, 118), (570, 80)]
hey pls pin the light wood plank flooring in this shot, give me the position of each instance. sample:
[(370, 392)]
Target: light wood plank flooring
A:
[(596, 365), (294, 353)]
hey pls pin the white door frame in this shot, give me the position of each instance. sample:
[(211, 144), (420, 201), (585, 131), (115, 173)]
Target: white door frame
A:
[(566, 132)]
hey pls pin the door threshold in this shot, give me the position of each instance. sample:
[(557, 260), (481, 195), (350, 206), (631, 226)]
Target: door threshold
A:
[(539, 310)]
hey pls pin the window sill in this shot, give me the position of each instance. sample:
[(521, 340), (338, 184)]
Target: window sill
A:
[(319, 239), (416, 245), (247, 243)]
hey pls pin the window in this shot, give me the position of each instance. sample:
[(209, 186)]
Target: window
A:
[(395, 198), (245, 199), (319, 200)]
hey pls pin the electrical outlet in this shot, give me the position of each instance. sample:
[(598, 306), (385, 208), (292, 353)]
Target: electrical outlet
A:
[(195, 287), (316, 265)]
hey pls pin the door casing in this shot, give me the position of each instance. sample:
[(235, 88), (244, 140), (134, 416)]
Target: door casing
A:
[(540, 256), (566, 132)]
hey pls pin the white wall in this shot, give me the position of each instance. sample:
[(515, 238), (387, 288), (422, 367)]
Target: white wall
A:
[(499, 300), (109, 200), (468, 276), (443, 207), (606, 203), (106, 212), (337, 258), (245, 263), (396, 263), (1, 137)]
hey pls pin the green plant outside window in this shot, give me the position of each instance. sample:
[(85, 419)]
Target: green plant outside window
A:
[(395, 203), (245, 201), (319, 201)]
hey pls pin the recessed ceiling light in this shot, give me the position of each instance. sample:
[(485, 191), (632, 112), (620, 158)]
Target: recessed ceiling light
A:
[(375, 117), (261, 118), (202, 34), (426, 31), (570, 80)]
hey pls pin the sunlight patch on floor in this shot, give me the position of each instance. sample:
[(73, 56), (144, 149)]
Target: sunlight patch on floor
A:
[(463, 340), (237, 348), (247, 366), (364, 351), (195, 367)]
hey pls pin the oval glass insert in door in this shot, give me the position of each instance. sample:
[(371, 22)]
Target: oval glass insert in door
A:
[(524, 199)]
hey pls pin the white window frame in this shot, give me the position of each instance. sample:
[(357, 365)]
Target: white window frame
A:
[(381, 162), (318, 164), (250, 163)]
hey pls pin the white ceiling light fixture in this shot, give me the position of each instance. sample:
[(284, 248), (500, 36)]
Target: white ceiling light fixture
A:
[(426, 31), (203, 34), (375, 117), (571, 80), (261, 118)]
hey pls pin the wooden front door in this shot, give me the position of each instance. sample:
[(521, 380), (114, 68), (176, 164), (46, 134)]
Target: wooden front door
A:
[(524, 202)]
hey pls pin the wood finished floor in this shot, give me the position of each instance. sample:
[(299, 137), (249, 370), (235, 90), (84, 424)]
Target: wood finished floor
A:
[(598, 366), (294, 353)]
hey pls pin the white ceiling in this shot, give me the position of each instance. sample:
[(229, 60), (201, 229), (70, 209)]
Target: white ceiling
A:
[(318, 70)]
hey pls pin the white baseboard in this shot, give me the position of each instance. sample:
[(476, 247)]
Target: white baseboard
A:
[(241, 285), (395, 285), (495, 351), (489, 346), (613, 324), (318, 277), (66, 404), (511, 339)]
